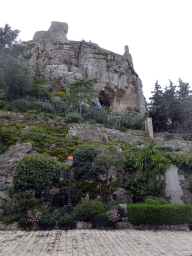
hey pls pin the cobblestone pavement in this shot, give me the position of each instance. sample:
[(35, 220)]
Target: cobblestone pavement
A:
[(93, 242)]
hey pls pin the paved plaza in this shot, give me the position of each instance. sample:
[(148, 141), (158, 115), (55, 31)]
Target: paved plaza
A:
[(94, 242)]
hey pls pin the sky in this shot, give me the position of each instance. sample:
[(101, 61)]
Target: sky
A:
[(157, 32)]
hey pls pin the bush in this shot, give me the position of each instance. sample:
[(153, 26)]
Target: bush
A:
[(36, 172), (171, 214), (67, 221), (113, 215), (155, 200), (183, 161), (8, 134), (101, 221), (82, 167), (139, 189), (164, 149), (47, 221), (88, 209), (115, 205), (73, 118), (132, 121), (23, 105), (98, 114), (24, 223), (2, 104)]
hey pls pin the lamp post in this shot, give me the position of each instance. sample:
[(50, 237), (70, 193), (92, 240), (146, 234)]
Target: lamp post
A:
[(70, 163)]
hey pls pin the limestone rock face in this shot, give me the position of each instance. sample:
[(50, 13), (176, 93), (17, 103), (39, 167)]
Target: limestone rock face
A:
[(119, 86)]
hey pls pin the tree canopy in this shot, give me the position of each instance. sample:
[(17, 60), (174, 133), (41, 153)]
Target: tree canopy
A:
[(171, 107), (81, 91), (15, 74)]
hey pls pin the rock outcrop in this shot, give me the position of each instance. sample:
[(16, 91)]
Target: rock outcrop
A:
[(119, 86)]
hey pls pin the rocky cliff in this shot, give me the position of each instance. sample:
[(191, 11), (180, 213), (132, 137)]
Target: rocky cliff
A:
[(119, 86)]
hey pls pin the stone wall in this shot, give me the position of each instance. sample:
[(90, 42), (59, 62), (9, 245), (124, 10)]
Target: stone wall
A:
[(119, 86)]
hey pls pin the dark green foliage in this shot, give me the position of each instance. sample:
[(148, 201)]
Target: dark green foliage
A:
[(79, 189), (115, 205), (98, 114), (36, 172), (2, 104), (23, 105), (16, 208), (24, 223), (182, 161), (164, 149), (19, 205), (155, 200), (47, 221), (7, 37), (39, 91), (188, 137), (172, 214), (139, 189), (15, 77), (83, 164), (172, 106), (147, 161), (67, 221), (130, 163), (101, 221), (132, 121), (9, 134), (88, 209), (73, 118), (81, 91), (190, 187)]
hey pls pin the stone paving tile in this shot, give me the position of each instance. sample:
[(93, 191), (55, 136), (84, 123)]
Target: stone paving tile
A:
[(92, 242)]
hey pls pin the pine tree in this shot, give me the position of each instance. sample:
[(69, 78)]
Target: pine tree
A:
[(81, 91), (157, 108)]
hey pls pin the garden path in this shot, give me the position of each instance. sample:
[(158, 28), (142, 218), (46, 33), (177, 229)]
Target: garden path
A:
[(92, 242)]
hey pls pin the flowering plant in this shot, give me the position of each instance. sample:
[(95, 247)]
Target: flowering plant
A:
[(113, 215), (35, 215)]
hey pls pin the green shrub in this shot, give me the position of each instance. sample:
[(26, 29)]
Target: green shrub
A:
[(164, 149), (24, 223), (23, 105), (19, 205), (139, 189), (88, 209), (98, 114), (82, 166), (190, 187), (188, 137), (171, 214), (67, 221), (182, 161), (36, 172), (9, 134), (2, 104), (132, 121), (47, 221), (155, 200), (73, 118), (101, 221)]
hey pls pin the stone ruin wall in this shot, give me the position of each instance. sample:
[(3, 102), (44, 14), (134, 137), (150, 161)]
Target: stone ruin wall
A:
[(119, 86)]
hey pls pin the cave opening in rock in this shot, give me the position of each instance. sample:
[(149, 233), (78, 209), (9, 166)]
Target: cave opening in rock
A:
[(104, 99)]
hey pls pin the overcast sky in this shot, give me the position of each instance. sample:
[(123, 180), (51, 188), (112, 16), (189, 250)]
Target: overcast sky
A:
[(158, 32)]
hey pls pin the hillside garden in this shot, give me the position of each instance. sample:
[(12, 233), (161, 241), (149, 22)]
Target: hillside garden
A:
[(47, 109)]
